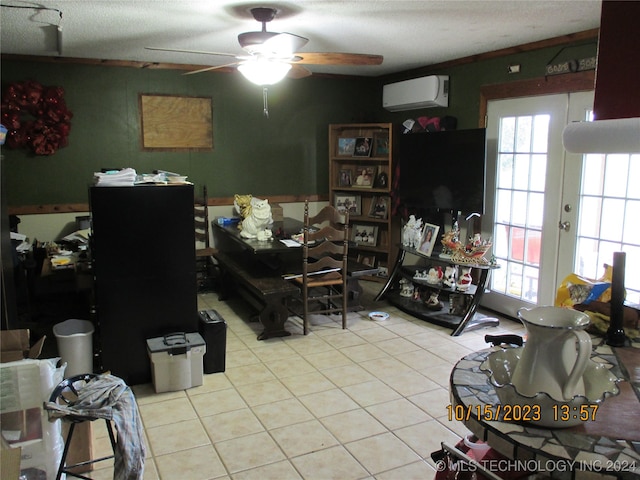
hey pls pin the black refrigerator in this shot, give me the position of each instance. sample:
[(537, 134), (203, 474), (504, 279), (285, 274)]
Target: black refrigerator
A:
[(143, 254)]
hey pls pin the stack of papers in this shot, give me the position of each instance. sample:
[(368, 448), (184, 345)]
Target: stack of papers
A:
[(124, 177)]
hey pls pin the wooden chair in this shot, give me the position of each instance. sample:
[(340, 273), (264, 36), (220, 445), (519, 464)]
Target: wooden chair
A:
[(205, 263), (324, 264)]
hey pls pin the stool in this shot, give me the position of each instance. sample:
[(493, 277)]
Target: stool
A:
[(66, 393)]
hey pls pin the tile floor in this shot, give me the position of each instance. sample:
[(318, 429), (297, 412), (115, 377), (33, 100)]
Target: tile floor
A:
[(366, 402)]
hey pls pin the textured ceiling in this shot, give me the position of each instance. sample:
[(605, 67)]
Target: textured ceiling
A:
[(409, 34)]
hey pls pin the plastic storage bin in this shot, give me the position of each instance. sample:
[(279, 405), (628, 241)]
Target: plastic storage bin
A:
[(213, 329), (75, 345), (176, 361)]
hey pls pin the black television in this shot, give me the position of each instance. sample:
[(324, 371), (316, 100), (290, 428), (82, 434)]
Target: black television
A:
[(443, 171)]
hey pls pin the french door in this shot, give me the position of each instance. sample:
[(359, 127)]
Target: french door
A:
[(533, 190)]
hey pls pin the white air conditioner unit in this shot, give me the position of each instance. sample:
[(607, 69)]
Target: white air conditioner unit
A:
[(423, 92)]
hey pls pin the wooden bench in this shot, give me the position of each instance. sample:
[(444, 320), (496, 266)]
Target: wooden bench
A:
[(257, 284)]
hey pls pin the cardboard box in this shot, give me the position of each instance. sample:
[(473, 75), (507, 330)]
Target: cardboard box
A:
[(276, 212), (23, 421), (81, 448), (9, 461), (15, 345)]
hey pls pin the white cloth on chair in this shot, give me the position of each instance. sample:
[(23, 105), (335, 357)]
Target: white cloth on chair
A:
[(109, 397)]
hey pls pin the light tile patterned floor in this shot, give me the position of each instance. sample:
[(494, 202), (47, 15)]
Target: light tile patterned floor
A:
[(366, 402)]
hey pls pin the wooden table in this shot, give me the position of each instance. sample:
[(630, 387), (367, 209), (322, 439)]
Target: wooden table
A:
[(608, 447), (256, 268)]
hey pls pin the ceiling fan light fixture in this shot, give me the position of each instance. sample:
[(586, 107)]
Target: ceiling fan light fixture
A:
[(264, 72)]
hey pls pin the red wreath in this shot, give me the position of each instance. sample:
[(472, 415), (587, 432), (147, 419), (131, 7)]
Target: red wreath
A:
[(36, 117)]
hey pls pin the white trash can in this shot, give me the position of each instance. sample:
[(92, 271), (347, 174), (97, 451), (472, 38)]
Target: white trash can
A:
[(75, 346)]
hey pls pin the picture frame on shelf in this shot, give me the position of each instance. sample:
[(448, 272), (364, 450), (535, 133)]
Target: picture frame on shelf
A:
[(365, 235), (368, 260), (348, 203), (365, 177), (363, 147), (382, 180), (379, 207), (428, 240), (381, 144), (344, 180), (346, 146)]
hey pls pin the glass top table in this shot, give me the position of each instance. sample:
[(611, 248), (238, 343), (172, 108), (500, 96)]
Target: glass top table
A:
[(608, 447)]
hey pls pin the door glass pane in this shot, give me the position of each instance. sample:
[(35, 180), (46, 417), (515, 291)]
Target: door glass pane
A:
[(592, 183), (523, 143), (616, 169), (521, 172), (536, 204), (630, 234), (503, 206), (540, 137), (517, 244), (508, 125), (523, 137), (634, 174), (538, 172), (505, 178), (612, 219), (590, 213)]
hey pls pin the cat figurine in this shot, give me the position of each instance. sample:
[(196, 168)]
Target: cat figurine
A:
[(258, 220)]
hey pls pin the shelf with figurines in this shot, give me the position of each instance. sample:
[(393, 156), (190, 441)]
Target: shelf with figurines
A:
[(441, 288)]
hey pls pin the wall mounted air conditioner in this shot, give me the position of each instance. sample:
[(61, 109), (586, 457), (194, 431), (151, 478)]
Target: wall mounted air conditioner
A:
[(423, 92)]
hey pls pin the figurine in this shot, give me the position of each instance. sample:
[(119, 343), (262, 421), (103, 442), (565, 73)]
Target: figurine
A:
[(406, 288), (264, 235), (242, 204), (433, 303), (433, 277), (465, 279), (450, 274), (412, 232), (421, 275), (258, 219)]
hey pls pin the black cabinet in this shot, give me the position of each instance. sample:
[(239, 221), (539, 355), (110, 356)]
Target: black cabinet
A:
[(143, 251)]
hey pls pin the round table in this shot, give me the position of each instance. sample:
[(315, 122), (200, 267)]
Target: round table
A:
[(608, 447)]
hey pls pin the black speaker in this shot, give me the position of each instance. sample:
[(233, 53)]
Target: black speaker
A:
[(213, 330)]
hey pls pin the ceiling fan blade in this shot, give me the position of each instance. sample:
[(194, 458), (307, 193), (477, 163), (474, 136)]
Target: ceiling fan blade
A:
[(338, 58), (208, 69), (200, 52), (298, 71)]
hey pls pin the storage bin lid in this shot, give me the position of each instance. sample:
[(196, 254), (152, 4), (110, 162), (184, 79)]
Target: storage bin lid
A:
[(175, 343)]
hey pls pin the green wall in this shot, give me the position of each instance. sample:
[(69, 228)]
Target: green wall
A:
[(283, 155), (466, 79)]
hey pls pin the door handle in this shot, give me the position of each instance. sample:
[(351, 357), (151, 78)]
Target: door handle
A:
[(566, 226)]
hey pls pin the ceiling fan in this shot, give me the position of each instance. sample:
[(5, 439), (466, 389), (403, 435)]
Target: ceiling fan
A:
[(271, 56)]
